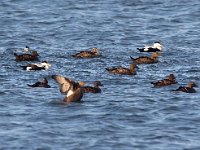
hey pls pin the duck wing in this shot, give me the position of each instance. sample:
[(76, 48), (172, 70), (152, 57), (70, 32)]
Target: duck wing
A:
[(65, 83), (151, 49)]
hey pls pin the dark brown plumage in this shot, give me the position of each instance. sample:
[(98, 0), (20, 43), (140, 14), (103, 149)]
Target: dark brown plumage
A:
[(165, 82), (187, 89), (145, 59), (27, 57), (87, 54), (94, 89), (122, 70), (43, 83)]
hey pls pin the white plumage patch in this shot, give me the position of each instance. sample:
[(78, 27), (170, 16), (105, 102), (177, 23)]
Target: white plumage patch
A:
[(70, 93), (46, 65), (158, 46), (28, 68)]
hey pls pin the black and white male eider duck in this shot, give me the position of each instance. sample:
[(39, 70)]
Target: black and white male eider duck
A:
[(94, 89), (165, 82), (187, 89), (39, 66), (71, 89), (27, 57), (122, 70), (87, 54), (43, 83), (157, 46), (145, 59)]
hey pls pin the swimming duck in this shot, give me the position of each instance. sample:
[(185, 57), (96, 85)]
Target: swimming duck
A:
[(157, 46), (87, 54), (70, 88), (27, 57), (122, 70), (187, 89), (43, 83), (145, 59), (165, 82), (94, 89), (39, 66)]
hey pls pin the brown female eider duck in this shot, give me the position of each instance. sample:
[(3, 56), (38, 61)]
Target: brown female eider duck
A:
[(70, 88), (87, 54), (94, 89), (27, 57), (165, 82), (40, 66), (43, 83), (145, 59), (187, 89), (122, 70), (157, 46)]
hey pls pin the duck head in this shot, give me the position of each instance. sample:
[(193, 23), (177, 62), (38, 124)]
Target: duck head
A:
[(97, 83), (81, 83), (95, 50), (171, 77), (158, 45), (46, 64), (155, 55), (192, 84)]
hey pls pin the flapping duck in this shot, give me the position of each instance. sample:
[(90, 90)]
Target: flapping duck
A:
[(74, 91)]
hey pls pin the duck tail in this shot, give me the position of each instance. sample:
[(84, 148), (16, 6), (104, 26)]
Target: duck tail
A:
[(107, 69), (74, 55), (132, 58), (15, 54), (140, 49), (23, 67), (29, 85)]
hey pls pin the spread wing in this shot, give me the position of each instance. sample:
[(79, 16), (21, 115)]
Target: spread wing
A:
[(65, 83)]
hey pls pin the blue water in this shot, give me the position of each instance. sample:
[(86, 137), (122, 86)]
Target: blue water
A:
[(129, 113)]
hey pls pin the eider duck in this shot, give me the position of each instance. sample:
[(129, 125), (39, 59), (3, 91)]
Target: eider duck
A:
[(145, 59), (43, 83), (157, 46), (165, 82), (27, 57), (122, 70), (39, 66), (187, 89), (87, 54), (94, 89), (70, 88)]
